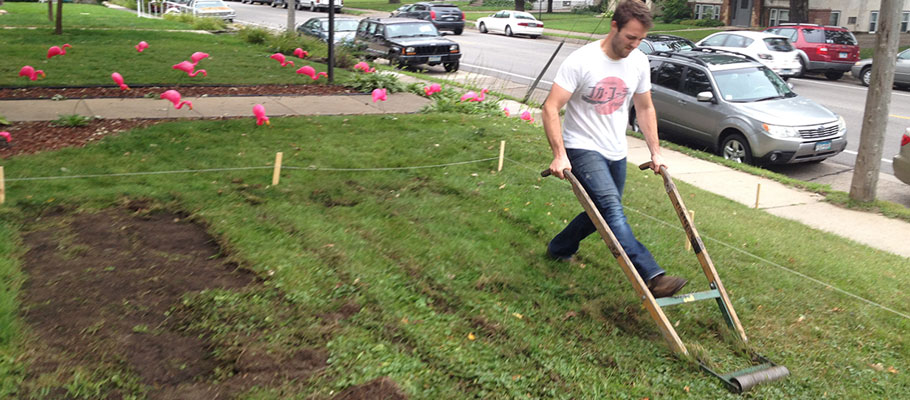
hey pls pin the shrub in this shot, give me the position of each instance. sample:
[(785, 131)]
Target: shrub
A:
[(72, 120), (346, 56), (284, 42), (254, 34), (675, 9), (367, 82), (131, 4), (209, 24), (449, 100)]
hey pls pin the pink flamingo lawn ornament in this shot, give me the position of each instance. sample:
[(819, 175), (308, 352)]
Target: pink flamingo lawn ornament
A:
[(526, 116), (473, 96), (30, 72), (174, 97), (309, 71), (142, 46), (380, 95), (118, 79), (364, 67), (57, 50), (300, 53), (434, 88), (6, 137), (198, 56), (259, 112), (281, 60), (188, 67), (506, 111)]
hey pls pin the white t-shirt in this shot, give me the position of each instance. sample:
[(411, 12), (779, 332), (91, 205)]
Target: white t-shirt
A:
[(598, 111)]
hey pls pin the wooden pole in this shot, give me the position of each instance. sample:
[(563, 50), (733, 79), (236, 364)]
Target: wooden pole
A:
[(757, 193), (502, 153), (2, 186), (689, 242), (277, 172)]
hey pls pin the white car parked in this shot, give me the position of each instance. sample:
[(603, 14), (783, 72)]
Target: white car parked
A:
[(511, 23), (774, 51)]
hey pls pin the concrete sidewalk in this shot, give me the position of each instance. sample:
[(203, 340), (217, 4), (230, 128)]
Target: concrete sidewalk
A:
[(807, 208)]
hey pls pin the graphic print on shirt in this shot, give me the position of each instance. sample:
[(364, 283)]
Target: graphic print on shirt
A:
[(607, 95)]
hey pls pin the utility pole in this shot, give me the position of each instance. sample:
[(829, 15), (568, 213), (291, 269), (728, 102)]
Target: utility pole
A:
[(878, 103), (292, 14)]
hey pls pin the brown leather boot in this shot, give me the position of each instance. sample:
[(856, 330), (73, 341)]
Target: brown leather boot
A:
[(665, 286)]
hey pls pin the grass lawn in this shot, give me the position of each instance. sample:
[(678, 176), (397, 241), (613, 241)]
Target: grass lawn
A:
[(438, 256), (96, 53), (82, 16)]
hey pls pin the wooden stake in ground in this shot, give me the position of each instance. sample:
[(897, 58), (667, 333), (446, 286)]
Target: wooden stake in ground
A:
[(2, 186), (277, 172), (757, 193), (502, 153)]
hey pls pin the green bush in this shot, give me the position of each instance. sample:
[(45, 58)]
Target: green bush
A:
[(284, 42), (449, 100), (209, 24), (254, 34), (72, 120), (709, 23), (368, 82), (131, 4), (675, 9)]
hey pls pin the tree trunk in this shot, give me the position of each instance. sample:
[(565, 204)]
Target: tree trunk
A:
[(799, 11), (549, 6), (292, 13), (59, 29), (519, 5), (50, 10), (878, 102)]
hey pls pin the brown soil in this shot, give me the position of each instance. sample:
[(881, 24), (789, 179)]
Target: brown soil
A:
[(104, 291), (34, 137)]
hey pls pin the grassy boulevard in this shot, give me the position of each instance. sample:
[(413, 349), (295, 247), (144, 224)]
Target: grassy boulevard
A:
[(431, 278)]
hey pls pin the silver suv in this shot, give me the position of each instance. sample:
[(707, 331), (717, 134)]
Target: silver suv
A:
[(740, 109)]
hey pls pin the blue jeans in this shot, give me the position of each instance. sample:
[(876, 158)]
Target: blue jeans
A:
[(603, 180)]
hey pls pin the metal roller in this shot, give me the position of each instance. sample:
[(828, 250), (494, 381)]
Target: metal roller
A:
[(748, 381)]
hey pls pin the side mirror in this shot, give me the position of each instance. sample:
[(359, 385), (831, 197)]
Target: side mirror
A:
[(790, 85), (705, 96)]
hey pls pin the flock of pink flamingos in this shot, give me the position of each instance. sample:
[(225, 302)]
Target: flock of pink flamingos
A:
[(189, 67)]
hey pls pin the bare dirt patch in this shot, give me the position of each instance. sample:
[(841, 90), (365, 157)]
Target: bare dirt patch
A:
[(103, 299)]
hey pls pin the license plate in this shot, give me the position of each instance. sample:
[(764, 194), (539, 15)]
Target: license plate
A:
[(843, 55), (439, 58), (826, 145)]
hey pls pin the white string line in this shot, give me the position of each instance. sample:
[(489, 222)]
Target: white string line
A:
[(184, 171), (797, 273)]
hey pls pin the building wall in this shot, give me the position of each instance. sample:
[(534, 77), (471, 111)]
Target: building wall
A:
[(855, 15)]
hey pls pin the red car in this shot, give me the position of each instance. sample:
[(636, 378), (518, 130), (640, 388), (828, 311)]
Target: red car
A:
[(831, 50)]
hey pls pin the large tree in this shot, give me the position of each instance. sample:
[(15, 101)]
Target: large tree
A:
[(799, 11), (59, 29), (519, 5)]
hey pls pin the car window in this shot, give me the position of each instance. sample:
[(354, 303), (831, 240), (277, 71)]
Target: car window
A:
[(419, 8), (655, 66), (737, 41), (210, 3), (814, 35), (751, 84), (523, 16), (715, 40), (904, 56), (696, 82), (672, 45), (839, 37), (645, 47), (341, 25), (412, 30), (778, 44), (790, 33), (669, 75)]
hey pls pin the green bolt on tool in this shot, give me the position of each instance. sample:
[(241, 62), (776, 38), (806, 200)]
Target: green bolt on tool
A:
[(738, 381)]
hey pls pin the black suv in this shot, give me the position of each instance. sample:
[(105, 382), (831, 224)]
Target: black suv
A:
[(654, 43), (446, 17), (406, 42)]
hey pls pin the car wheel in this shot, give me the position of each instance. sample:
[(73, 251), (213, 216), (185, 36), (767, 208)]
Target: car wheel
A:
[(451, 66), (534, 36), (483, 28), (458, 31), (865, 77), (833, 75), (736, 148), (508, 30), (802, 69)]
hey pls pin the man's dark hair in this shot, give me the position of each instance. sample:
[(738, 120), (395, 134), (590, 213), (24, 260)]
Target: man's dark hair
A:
[(628, 10)]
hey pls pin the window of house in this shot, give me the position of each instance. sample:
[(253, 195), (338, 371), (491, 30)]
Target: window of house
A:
[(778, 16), (834, 18), (873, 21), (707, 11), (744, 4), (905, 21)]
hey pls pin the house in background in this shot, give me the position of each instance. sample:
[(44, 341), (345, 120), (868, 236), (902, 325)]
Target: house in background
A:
[(855, 15)]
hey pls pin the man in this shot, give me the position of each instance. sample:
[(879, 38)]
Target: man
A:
[(598, 82)]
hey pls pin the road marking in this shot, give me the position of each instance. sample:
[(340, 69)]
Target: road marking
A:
[(506, 73), (855, 153), (898, 116)]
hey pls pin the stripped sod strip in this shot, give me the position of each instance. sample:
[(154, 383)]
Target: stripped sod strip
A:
[(360, 272)]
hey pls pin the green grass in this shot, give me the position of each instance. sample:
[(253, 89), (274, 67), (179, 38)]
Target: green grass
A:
[(80, 16), (434, 255), (96, 53)]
